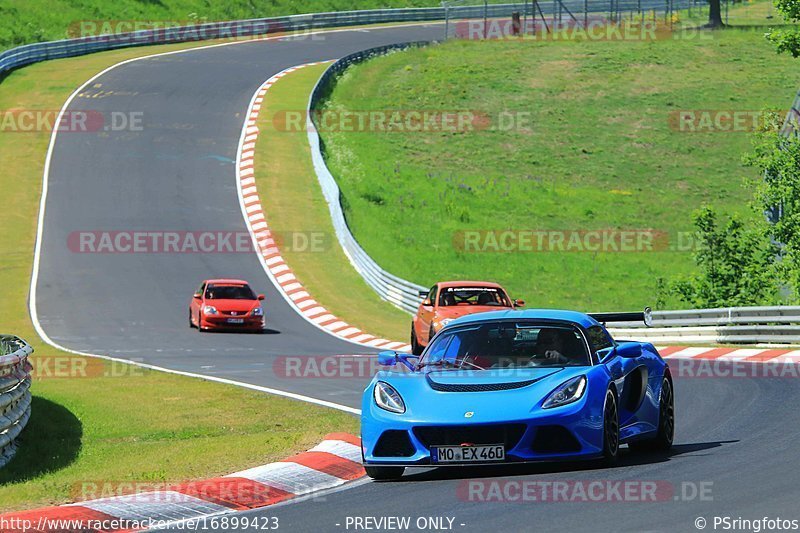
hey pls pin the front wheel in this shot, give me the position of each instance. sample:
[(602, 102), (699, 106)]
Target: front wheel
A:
[(666, 422), (610, 428), (382, 473)]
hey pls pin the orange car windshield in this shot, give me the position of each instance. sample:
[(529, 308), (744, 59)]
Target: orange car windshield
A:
[(464, 296)]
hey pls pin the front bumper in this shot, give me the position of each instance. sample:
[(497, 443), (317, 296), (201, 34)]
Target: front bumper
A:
[(220, 322), (573, 431)]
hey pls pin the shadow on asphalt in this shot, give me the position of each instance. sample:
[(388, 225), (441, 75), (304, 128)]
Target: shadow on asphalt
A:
[(627, 458), (50, 442)]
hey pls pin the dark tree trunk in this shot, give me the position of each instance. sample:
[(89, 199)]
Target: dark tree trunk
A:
[(715, 14)]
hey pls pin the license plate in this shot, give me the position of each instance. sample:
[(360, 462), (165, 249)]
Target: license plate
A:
[(468, 454), (236, 321)]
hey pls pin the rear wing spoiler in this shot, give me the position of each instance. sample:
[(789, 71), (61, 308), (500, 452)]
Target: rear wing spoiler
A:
[(645, 316)]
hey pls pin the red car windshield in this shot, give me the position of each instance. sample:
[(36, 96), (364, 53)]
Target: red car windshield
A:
[(229, 292), (491, 296)]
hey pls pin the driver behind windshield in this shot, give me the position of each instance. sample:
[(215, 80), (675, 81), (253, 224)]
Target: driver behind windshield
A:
[(508, 345)]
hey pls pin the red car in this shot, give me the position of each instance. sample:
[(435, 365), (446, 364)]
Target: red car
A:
[(448, 300), (226, 304)]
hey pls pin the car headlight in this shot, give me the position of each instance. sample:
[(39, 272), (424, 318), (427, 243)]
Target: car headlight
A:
[(389, 399), (210, 310), (258, 311), (568, 392)]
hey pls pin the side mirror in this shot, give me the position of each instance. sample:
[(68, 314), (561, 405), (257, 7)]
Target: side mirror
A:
[(423, 294), (387, 358), (426, 302), (197, 296), (519, 303), (391, 358), (629, 350), (261, 297)]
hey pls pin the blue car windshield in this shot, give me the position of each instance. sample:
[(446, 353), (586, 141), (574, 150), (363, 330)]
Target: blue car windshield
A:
[(507, 344)]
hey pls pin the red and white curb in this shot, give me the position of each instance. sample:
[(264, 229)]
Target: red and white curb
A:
[(746, 355), (333, 462), (278, 271)]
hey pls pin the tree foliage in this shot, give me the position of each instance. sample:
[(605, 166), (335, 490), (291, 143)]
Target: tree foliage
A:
[(777, 157), (735, 264), (787, 41), (752, 262)]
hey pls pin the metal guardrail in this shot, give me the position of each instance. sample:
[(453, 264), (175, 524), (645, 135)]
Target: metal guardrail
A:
[(399, 292), (33, 53), (15, 395), (36, 52), (727, 325)]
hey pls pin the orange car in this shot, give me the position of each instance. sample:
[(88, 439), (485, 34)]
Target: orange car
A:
[(448, 300)]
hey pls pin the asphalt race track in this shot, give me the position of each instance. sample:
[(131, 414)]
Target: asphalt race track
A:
[(735, 451), (735, 438), (177, 174)]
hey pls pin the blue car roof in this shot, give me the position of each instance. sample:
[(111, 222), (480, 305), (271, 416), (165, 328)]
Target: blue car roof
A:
[(575, 317)]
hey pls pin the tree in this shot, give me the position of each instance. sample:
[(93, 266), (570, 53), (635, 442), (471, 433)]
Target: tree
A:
[(735, 265), (777, 156), (715, 14), (787, 40)]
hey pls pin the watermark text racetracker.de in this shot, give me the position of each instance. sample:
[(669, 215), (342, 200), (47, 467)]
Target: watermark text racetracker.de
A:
[(141, 31), (591, 29), (193, 242), (135, 492), (727, 369), (328, 367), (624, 240), (70, 121), (402, 121), (721, 120), (583, 491), (67, 366)]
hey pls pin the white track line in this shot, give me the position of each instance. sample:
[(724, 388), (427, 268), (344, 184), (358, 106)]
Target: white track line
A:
[(32, 294)]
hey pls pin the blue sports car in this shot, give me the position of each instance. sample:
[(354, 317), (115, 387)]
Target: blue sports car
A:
[(514, 386)]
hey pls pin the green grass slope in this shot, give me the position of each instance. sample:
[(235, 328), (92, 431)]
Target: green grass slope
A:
[(599, 153)]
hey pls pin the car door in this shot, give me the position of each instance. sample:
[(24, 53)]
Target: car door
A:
[(426, 313), (630, 374)]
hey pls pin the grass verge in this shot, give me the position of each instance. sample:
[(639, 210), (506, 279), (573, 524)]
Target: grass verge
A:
[(84, 427), (600, 151), (293, 201), (85, 432)]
